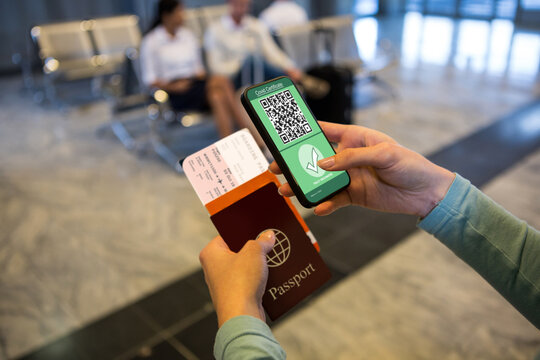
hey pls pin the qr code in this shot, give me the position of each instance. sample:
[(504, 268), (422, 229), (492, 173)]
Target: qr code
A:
[(286, 116)]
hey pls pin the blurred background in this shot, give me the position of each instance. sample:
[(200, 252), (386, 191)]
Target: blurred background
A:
[(100, 231)]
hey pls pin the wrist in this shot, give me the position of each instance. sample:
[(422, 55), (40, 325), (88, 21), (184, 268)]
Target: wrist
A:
[(440, 185), (230, 310)]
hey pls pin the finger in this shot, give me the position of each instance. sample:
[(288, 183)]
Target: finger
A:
[(326, 208), (274, 168), (267, 240), (379, 156), (333, 131), (216, 245), (285, 190), (260, 246)]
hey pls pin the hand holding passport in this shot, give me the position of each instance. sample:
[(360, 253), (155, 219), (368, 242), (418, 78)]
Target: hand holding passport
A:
[(243, 203), (295, 267), (237, 280)]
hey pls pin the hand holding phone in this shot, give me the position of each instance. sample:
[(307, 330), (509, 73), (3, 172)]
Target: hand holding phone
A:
[(385, 176), (294, 138)]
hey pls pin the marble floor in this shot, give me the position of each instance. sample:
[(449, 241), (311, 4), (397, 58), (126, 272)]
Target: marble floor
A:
[(87, 227)]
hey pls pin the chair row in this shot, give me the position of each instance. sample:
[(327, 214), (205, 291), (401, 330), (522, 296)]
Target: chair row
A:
[(198, 19), (92, 49), (322, 41), (82, 49)]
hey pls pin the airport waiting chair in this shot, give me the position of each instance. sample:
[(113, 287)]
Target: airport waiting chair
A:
[(192, 20), (139, 135), (209, 14), (129, 92), (160, 119), (347, 54), (198, 19), (331, 41), (296, 41), (67, 53), (116, 39), (344, 48), (90, 49), (299, 42), (114, 35)]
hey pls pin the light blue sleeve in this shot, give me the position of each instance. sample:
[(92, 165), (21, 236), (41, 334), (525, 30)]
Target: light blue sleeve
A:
[(246, 337), (499, 246)]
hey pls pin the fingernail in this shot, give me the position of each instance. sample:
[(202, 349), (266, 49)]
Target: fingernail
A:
[(269, 235), (327, 163), (279, 191)]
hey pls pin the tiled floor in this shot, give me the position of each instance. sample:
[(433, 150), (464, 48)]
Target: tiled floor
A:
[(88, 230)]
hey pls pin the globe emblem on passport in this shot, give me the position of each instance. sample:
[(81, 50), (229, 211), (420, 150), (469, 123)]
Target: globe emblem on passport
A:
[(281, 250)]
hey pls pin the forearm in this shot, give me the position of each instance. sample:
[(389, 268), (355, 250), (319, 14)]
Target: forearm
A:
[(274, 55), (500, 247), (280, 61), (178, 86), (245, 337), (219, 64), (163, 85)]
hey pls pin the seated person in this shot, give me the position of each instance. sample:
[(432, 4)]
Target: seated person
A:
[(237, 41), (171, 61), (283, 13)]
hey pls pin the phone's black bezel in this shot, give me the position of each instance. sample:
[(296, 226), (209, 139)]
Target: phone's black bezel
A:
[(274, 150)]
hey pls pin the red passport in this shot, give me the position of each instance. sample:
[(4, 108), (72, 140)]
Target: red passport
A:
[(295, 267)]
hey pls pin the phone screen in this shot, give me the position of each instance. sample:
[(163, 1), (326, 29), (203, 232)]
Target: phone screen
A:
[(297, 136)]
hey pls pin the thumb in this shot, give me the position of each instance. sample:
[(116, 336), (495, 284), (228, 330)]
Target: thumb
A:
[(381, 155), (262, 245), (266, 240)]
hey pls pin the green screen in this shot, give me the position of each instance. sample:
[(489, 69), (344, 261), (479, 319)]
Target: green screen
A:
[(297, 136)]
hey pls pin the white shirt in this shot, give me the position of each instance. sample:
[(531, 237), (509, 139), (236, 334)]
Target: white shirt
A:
[(283, 13), (167, 58), (228, 44)]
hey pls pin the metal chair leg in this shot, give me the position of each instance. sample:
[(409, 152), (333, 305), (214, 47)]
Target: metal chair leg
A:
[(166, 154), (120, 131)]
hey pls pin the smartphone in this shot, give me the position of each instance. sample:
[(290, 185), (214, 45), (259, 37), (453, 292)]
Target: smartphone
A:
[(294, 138)]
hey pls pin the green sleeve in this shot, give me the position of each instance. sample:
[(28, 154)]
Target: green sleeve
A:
[(246, 337), (499, 246)]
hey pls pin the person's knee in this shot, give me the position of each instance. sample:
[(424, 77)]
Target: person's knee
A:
[(220, 82), (214, 97), (214, 94), (220, 79), (220, 87)]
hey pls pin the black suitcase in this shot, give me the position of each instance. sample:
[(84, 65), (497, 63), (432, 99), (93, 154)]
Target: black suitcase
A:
[(336, 105)]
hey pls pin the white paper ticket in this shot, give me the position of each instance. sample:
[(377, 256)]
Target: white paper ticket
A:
[(224, 165)]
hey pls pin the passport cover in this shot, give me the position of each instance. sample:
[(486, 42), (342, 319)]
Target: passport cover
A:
[(295, 268), (257, 182)]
